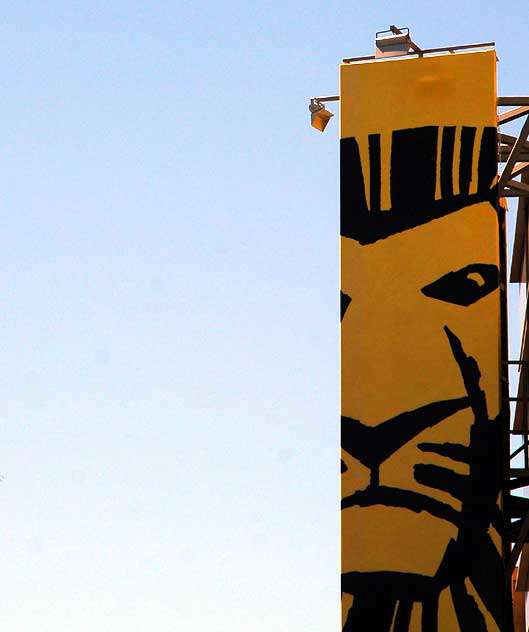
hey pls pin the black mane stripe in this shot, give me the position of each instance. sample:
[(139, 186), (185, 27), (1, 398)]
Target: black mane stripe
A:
[(412, 178)]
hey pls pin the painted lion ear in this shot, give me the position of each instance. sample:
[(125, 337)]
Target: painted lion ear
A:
[(345, 299), (464, 286)]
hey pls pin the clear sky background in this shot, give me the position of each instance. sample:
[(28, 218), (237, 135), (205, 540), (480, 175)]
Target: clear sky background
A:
[(169, 274)]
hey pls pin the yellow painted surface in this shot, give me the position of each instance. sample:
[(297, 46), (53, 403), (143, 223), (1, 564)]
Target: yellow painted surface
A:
[(395, 354), (394, 94)]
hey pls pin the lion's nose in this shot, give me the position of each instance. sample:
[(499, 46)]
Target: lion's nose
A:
[(372, 445)]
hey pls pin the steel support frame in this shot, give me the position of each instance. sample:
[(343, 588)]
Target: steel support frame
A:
[(513, 152)]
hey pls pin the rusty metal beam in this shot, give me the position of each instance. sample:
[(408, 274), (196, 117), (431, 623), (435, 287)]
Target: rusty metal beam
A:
[(511, 193), (427, 51), (506, 144), (511, 115), (522, 581), (508, 139), (515, 553), (518, 273), (513, 100), (519, 471), (515, 151), (516, 188), (504, 154), (520, 168)]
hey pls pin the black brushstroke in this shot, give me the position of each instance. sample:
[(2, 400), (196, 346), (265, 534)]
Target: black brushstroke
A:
[(395, 497), (374, 172), (372, 445), (367, 227), (418, 182), (352, 189), (497, 520), (477, 555), (429, 614), (483, 562), (468, 614), (343, 467), (369, 612), (453, 451), (488, 159), (391, 584), (451, 567), (471, 375), (345, 299), (443, 479), (403, 616), (468, 135), (460, 288), (485, 566), (447, 161), (472, 555), (413, 200)]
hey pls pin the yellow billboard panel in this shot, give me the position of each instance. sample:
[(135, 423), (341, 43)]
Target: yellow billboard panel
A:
[(421, 347)]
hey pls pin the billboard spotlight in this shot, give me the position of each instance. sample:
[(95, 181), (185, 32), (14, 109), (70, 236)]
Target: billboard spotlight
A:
[(319, 116)]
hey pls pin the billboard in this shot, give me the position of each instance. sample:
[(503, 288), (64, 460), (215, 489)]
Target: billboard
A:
[(421, 351)]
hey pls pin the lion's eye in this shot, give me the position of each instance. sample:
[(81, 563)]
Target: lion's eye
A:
[(464, 286)]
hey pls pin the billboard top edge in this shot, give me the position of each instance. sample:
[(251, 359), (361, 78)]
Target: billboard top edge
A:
[(410, 58)]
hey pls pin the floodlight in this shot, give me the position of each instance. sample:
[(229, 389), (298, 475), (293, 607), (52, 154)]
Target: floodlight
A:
[(394, 43), (319, 116)]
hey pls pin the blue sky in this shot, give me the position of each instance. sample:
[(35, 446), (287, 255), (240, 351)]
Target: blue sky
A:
[(169, 262)]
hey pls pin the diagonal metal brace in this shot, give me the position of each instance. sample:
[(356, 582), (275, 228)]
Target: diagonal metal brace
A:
[(511, 115), (520, 168), (513, 188), (507, 173), (517, 549)]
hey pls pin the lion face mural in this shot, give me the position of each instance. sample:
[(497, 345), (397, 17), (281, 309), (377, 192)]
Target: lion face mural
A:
[(421, 390)]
